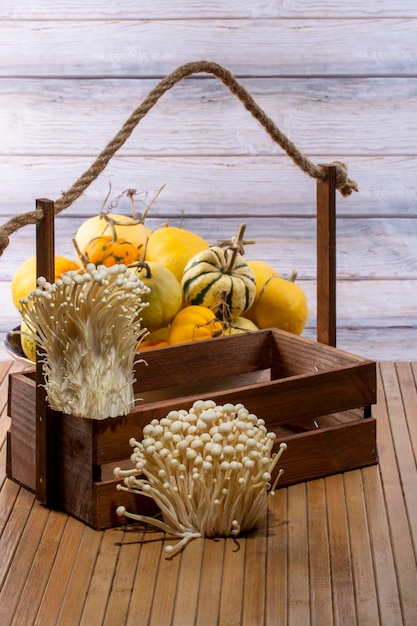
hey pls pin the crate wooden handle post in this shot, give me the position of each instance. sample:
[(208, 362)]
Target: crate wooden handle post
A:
[(326, 258), (45, 266)]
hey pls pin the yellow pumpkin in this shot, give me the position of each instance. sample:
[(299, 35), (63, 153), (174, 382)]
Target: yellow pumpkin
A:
[(97, 226), (130, 228), (239, 325), (24, 279), (27, 341), (174, 247), (281, 304), (262, 272), (165, 297), (161, 333), (194, 323)]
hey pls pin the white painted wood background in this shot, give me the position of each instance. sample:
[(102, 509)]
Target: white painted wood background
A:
[(338, 78)]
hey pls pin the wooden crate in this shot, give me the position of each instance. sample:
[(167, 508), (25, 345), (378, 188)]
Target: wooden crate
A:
[(316, 398)]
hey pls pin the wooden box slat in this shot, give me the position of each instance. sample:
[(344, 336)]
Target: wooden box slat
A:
[(189, 362), (315, 397), (21, 451), (329, 451)]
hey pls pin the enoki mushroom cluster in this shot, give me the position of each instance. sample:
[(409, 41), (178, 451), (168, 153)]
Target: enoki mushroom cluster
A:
[(208, 469), (87, 324)]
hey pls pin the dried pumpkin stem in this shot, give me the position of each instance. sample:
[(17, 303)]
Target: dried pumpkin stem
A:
[(236, 248), (83, 257), (130, 194), (142, 264), (135, 218), (111, 222), (145, 213)]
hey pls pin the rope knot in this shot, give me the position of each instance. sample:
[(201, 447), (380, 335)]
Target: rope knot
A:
[(343, 183)]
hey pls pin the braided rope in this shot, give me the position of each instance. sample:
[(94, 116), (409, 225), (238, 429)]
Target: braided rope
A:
[(344, 184)]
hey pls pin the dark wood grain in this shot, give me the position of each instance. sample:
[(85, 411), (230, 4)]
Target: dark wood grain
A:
[(326, 258), (45, 447)]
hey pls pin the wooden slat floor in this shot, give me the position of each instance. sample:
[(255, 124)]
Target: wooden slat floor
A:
[(340, 550)]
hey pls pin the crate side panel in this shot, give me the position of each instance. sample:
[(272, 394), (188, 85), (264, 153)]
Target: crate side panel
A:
[(202, 360), (112, 437), (292, 355), (277, 402), (22, 439), (106, 499), (74, 466), (233, 381), (328, 451), (324, 421), (290, 400)]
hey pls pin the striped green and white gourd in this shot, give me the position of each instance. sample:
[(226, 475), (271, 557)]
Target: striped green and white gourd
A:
[(208, 280)]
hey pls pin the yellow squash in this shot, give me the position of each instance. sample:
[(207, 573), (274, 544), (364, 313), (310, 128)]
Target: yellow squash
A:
[(281, 304), (165, 297), (194, 323), (174, 247)]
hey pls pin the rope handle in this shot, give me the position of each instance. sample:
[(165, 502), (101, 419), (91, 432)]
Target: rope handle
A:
[(343, 183)]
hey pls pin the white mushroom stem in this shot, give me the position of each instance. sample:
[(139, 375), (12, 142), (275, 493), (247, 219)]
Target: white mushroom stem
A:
[(208, 469), (87, 324)]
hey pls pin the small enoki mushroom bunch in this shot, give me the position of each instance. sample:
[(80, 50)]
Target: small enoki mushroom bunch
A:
[(209, 470), (87, 324)]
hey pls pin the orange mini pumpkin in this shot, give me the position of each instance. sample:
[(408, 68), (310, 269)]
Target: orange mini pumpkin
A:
[(109, 250), (152, 344)]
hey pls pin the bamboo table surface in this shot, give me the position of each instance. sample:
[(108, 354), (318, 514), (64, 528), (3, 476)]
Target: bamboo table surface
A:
[(339, 550)]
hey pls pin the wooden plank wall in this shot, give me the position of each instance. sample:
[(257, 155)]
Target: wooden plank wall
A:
[(338, 78)]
